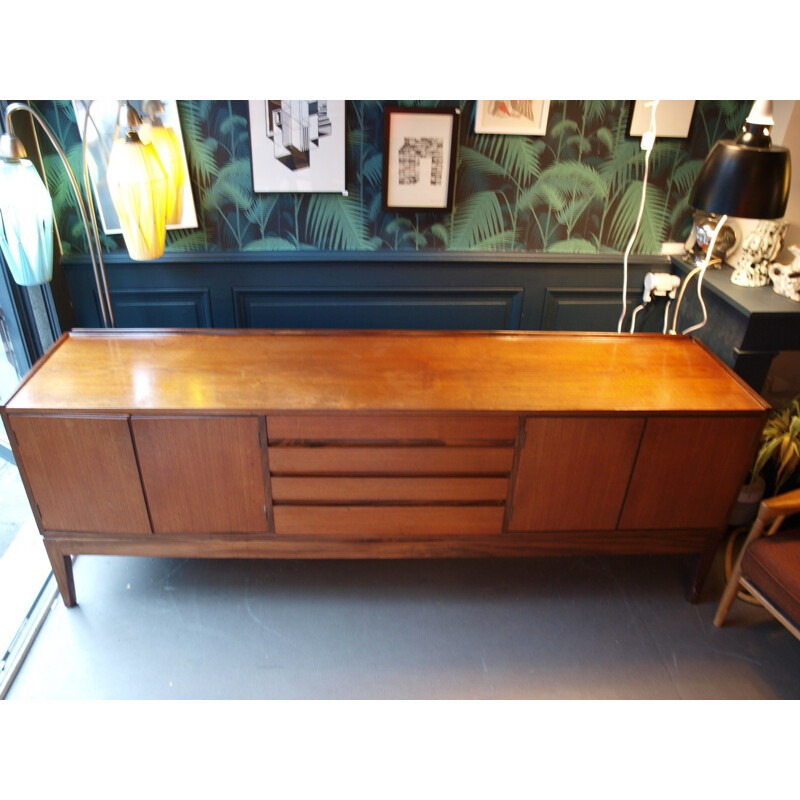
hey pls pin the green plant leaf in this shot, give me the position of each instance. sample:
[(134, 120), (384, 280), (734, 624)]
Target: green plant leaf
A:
[(373, 170), (440, 232), (478, 218), (269, 243), (576, 178), (655, 220), (517, 156), (336, 222), (414, 237), (182, 241), (231, 123), (564, 127), (479, 162), (543, 192), (501, 242), (575, 245), (606, 138), (686, 174), (261, 208), (234, 184)]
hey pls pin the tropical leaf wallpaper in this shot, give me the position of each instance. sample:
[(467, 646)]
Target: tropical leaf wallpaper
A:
[(575, 190)]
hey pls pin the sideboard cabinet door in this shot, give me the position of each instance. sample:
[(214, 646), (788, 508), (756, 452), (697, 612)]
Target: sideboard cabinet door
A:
[(689, 471), (82, 473), (573, 472), (203, 474)]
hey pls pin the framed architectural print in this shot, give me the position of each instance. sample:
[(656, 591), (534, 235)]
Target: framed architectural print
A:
[(673, 118), (419, 158), (297, 145), (522, 117)]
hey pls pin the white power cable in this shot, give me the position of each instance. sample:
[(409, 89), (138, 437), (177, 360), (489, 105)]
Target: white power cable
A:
[(702, 271), (648, 142), (633, 317)]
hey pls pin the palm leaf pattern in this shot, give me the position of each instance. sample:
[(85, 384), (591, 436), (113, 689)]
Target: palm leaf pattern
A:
[(336, 223), (478, 218), (574, 190)]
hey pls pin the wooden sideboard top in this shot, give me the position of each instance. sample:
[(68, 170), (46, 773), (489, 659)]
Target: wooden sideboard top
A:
[(408, 371)]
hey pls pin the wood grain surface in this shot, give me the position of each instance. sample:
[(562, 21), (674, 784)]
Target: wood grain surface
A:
[(382, 371)]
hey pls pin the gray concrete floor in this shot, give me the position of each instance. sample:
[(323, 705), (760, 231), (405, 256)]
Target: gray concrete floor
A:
[(14, 507), (15, 510), (580, 628)]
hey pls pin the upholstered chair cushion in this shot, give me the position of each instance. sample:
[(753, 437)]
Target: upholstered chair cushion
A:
[(772, 565)]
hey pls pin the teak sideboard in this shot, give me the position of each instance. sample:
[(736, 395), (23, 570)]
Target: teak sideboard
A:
[(348, 444)]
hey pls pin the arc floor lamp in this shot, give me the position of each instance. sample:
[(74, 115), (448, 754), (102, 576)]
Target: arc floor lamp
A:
[(26, 215), (139, 187)]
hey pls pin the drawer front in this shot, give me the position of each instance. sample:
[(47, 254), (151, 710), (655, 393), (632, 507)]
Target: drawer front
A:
[(400, 490), (389, 520), (391, 427), (395, 475), (391, 460)]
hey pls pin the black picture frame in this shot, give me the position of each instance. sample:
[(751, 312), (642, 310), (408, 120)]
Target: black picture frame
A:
[(407, 149)]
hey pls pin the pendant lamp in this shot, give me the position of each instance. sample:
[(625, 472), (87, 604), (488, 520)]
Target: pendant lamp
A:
[(26, 218), (168, 146), (138, 184)]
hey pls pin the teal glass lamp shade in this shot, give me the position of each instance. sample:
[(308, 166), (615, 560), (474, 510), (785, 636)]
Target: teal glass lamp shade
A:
[(26, 223)]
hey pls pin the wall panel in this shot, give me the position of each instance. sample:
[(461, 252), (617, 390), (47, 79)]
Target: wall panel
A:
[(461, 291)]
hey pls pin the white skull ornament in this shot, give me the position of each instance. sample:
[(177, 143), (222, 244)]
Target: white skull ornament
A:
[(759, 248), (786, 277)]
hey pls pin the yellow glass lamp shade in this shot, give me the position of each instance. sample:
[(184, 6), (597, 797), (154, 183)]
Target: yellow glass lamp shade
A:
[(168, 146), (138, 185), (26, 223)]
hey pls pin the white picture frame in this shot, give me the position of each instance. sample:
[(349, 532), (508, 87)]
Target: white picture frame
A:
[(107, 122), (673, 118), (298, 145), (516, 117)]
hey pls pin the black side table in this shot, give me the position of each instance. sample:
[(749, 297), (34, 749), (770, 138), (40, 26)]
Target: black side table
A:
[(746, 327)]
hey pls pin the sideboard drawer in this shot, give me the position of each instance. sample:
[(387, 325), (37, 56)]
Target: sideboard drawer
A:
[(391, 460), (389, 520), (445, 429), (337, 490)]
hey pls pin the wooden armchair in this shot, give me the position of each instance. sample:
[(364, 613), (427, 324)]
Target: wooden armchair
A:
[(769, 566)]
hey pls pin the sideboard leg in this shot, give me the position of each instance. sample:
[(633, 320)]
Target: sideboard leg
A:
[(703, 567), (62, 569)]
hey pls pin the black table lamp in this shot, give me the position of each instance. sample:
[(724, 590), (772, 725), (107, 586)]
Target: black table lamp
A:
[(748, 176)]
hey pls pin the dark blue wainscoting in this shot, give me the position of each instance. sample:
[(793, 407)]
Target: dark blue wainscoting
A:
[(455, 291)]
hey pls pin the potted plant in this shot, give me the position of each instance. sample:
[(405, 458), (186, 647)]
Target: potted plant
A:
[(780, 448), (780, 451)]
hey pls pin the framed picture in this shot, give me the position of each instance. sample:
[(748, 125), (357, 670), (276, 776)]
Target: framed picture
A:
[(673, 118), (419, 158), (107, 122), (297, 145), (523, 117)]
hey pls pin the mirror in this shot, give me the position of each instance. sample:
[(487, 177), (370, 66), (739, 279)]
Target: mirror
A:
[(107, 122)]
